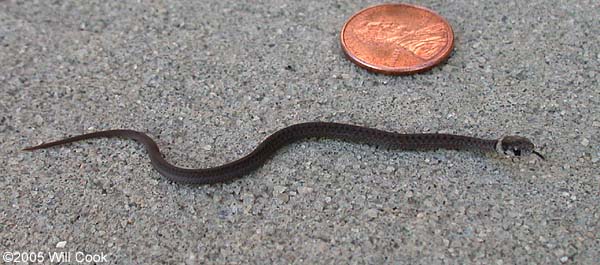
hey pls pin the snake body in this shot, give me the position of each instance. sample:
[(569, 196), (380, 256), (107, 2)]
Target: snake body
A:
[(508, 145)]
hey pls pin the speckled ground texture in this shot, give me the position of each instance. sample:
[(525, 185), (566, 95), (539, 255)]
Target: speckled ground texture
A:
[(211, 79)]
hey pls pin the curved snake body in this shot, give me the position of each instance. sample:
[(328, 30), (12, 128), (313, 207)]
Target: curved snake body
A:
[(509, 145)]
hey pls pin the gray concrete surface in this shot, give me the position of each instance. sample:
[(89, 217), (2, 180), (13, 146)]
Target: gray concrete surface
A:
[(211, 79)]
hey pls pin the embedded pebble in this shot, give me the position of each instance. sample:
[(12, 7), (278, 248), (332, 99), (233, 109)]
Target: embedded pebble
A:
[(61, 244), (585, 142), (595, 157), (372, 213), (279, 189), (390, 169), (304, 190), (283, 197)]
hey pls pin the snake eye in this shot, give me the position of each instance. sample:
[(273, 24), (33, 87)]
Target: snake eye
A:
[(517, 151)]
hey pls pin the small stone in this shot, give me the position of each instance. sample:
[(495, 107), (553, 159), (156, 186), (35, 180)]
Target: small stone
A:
[(61, 244), (390, 169), (304, 190), (247, 202), (279, 190), (428, 203), (564, 259), (207, 147), (595, 157), (283, 197), (559, 252), (38, 119), (585, 142), (322, 247), (372, 213)]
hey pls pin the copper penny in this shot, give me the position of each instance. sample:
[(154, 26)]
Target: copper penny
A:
[(397, 39)]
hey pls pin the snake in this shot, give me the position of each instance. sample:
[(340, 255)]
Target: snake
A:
[(507, 146)]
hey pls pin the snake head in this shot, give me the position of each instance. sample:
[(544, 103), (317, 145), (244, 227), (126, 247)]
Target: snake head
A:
[(516, 146)]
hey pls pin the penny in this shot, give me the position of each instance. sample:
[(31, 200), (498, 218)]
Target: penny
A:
[(397, 39)]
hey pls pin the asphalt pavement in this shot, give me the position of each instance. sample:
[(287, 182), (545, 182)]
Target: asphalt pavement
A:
[(211, 79)]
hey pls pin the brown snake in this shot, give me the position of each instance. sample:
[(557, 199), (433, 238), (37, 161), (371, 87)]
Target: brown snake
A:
[(507, 145)]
